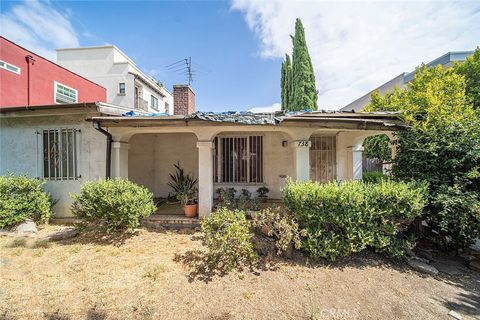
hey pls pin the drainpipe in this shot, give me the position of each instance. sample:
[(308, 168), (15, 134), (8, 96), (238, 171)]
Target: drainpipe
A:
[(31, 60), (108, 155)]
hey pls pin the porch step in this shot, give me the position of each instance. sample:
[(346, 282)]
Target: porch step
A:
[(170, 221)]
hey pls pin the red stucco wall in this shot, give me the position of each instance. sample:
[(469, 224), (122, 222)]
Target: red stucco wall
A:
[(43, 73)]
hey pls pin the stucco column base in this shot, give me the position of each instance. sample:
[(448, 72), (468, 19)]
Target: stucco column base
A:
[(120, 159), (302, 159), (205, 178)]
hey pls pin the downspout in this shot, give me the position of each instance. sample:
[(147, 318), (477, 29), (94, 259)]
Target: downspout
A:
[(108, 155), (31, 60)]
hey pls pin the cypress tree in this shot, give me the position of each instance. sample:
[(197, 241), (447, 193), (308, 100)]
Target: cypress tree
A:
[(286, 82), (303, 89)]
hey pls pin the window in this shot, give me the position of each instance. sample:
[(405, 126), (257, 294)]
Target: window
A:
[(238, 159), (60, 154), (121, 88), (9, 67), (154, 102), (323, 160), (167, 108), (64, 94)]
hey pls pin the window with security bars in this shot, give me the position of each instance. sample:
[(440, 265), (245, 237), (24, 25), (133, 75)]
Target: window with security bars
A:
[(323, 158), (238, 159), (64, 94), (60, 154)]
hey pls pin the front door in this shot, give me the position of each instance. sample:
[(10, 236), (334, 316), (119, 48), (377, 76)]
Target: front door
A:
[(323, 158)]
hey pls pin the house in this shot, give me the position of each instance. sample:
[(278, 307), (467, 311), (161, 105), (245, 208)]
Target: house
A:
[(68, 144), (126, 84), (28, 79), (447, 60)]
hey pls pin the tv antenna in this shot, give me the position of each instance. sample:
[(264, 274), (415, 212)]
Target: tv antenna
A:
[(183, 67)]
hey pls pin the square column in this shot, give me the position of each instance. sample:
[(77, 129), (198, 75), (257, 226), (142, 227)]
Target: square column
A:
[(357, 162), (205, 178), (120, 159), (302, 159)]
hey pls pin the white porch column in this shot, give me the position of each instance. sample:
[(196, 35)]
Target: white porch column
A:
[(119, 162), (302, 159), (205, 177), (357, 162)]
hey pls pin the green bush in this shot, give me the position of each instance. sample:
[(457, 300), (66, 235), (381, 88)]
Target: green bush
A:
[(458, 217), (119, 203), (347, 217), (281, 225), (374, 177), (227, 235), (23, 198)]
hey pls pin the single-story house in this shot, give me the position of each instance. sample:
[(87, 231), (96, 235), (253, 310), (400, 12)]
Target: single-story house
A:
[(70, 144)]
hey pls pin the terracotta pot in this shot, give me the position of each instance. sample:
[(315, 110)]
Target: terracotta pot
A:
[(190, 210), (267, 231)]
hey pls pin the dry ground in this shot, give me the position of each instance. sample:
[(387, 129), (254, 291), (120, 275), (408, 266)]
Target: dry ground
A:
[(160, 275)]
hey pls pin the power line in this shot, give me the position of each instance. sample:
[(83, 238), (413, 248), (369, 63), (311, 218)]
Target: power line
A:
[(183, 67)]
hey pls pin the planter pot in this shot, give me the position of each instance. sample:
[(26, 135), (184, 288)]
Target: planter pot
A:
[(263, 199), (190, 210), (267, 231)]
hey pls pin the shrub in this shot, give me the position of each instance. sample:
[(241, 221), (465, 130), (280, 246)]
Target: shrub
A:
[(119, 203), (23, 198), (347, 217), (458, 217), (227, 235), (374, 177), (281, 225)]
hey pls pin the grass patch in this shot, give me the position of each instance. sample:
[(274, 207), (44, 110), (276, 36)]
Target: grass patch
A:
[(154, 272)]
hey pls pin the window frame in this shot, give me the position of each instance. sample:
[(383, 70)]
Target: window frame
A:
[(56, 84), (75, 139), (154, 106), (4, 65), (120, 89), (218, 179)]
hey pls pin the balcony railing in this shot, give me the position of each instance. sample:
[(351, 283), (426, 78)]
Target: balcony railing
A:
[(141, 103)]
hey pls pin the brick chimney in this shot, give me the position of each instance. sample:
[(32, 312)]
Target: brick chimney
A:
[(183, 99)]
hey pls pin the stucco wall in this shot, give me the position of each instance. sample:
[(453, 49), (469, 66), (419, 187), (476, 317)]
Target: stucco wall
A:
[(151, 158), (21, 153)]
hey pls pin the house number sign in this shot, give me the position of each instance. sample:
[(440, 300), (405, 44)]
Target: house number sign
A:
[(303, 143)]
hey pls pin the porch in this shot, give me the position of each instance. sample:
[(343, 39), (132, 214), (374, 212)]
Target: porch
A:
[(239, 154)]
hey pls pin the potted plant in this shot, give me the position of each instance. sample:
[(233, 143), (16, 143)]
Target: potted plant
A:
[(262, 194), (184, 187)]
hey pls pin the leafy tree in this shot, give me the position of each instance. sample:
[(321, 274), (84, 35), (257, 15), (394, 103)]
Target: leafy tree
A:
[(378, 147), (470, 69), (298, 79), (441, 147)]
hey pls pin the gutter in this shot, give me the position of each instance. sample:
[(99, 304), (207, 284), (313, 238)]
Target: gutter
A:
[(108, 155)]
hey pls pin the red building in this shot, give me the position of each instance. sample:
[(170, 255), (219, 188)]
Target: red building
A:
[(27, 79)]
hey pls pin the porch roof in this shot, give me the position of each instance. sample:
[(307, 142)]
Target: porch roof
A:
[(388, 121)]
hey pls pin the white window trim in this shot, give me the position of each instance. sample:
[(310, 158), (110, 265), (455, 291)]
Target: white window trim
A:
[(68, 87), (152, 97), (4, 66)]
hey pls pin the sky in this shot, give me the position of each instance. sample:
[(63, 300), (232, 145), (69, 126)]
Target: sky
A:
[(237, 46)]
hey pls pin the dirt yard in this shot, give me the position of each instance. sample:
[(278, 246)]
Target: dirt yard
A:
[(161, 275)]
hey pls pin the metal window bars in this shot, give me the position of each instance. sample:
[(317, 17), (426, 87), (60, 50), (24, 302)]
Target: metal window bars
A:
[(323, 158), (60, 154), (238, 159)]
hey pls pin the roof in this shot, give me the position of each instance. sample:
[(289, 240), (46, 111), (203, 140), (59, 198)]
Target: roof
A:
[(323, 119)]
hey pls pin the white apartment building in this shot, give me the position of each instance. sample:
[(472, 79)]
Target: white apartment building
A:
[(126, 84)]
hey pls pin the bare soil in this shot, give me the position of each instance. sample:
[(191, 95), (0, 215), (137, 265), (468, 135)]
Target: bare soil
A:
[(163, 275)]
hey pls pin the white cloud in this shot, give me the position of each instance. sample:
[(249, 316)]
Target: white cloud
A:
[(39, 27), (273, 108), (357, 46)]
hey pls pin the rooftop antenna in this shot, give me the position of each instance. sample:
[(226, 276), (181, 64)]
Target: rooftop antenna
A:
[(183, 67)]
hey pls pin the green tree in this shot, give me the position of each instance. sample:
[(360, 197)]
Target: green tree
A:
[(470, 69), (286, 82), (298, 85), (442, 147)]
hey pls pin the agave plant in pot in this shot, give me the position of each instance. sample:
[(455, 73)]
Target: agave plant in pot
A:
[(185, 188)]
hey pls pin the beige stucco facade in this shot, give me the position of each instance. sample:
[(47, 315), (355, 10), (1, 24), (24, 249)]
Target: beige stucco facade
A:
[(145, 150)]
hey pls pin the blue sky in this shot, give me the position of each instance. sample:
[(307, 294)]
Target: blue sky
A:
[(237, 46)]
